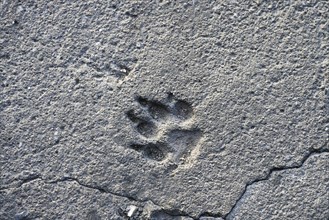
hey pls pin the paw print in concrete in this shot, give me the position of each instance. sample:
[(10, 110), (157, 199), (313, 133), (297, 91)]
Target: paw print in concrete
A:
[(166, 129)]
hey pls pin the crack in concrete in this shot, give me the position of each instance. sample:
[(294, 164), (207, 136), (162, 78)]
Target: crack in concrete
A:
[(70, 179), (176, 212), (100, 189), (275, 169), (22, 182)]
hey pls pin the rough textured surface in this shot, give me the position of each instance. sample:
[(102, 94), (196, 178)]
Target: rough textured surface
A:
[(175, 107), (289, 194), (62, 200)]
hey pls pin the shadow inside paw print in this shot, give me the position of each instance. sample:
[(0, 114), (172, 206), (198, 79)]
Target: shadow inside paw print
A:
[(151, 151), (163, 128)]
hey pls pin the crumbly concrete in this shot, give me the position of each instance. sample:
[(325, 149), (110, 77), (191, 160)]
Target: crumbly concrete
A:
[(175, 107)]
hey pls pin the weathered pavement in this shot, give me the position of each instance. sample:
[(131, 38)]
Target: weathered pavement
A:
[(164, 110)]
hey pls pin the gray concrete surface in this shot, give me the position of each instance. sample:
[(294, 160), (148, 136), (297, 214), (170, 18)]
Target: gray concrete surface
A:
[(289, 193), (164, 109)]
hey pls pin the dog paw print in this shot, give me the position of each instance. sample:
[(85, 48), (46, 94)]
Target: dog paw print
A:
[(166, 129)]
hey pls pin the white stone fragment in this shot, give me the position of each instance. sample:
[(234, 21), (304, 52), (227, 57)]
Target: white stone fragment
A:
[(132, 209)]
